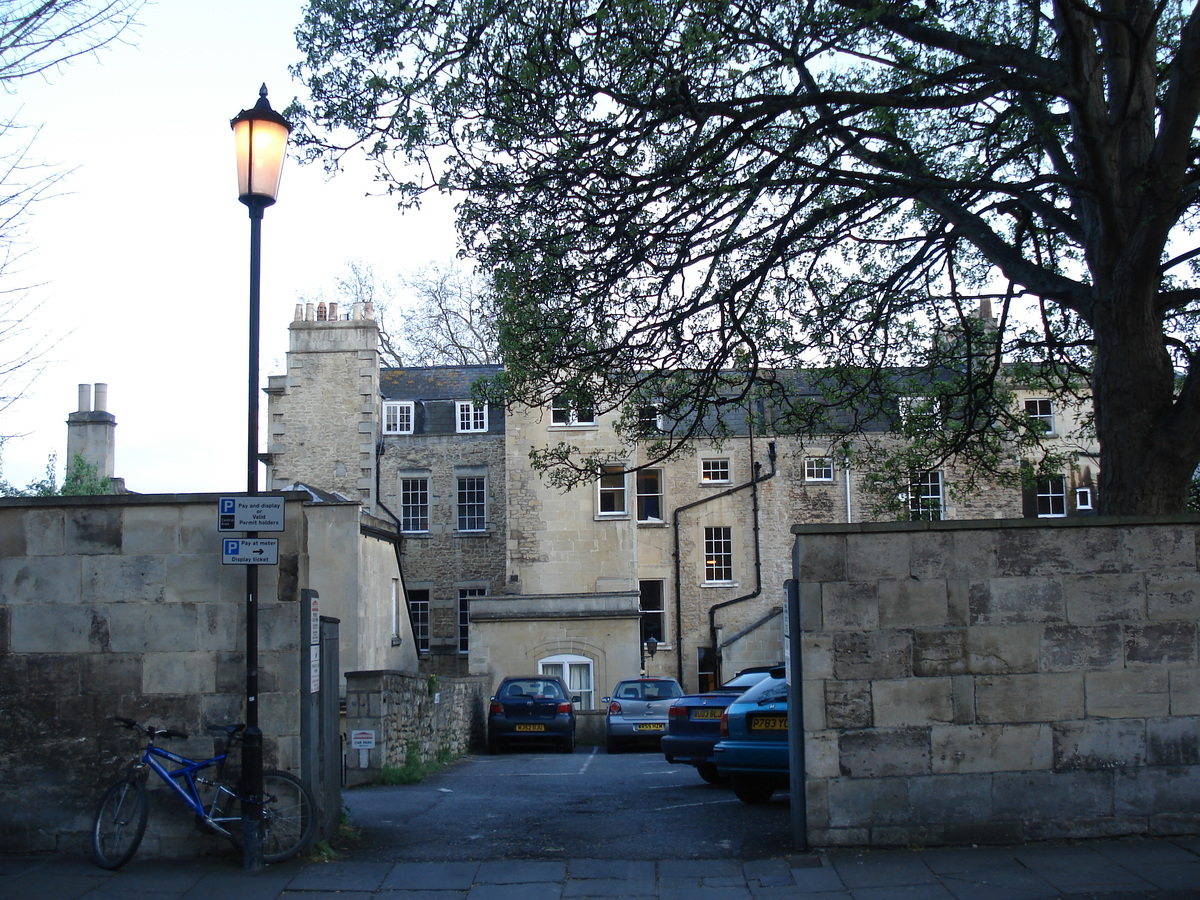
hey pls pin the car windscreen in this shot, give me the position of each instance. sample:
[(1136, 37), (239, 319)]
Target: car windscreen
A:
[(769, 690), (534, 689), (648, 690), (744, 681)]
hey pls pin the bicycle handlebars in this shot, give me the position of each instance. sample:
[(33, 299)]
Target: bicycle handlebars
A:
[(231, 732)]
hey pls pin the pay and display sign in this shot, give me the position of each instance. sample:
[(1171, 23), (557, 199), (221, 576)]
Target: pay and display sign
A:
[(250, 514)]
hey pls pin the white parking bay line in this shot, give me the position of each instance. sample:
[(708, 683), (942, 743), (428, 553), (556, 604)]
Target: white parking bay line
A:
[(690, 805), (588, 760)]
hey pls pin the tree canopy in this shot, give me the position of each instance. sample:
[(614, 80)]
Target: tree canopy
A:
[(706, 187)]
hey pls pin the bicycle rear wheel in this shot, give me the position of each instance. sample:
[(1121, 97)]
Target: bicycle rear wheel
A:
[(120, 823), (288, 817)]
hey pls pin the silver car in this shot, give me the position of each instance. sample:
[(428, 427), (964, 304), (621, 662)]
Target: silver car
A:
[(637, 712)]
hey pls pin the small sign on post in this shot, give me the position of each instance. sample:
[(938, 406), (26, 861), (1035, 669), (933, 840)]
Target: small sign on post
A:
[(250, 552), (250, 514)]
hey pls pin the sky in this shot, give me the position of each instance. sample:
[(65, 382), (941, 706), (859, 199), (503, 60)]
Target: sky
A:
[(141, 260)]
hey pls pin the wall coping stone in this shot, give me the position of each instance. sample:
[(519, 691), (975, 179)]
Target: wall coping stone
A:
[(994, 524)]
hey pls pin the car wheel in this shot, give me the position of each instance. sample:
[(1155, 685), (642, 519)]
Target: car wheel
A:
[(568, 745), (494, 747), (612, 746), (750, 789), (708, 771)]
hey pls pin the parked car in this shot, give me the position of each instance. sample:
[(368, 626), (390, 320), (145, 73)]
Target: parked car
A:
[(753, 750), (694, 723), (637, 711), (531, 710)]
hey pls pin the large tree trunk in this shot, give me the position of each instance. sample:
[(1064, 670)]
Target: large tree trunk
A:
[(1148, 445)]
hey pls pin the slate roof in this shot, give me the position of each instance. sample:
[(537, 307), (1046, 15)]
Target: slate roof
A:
[(432, 382)]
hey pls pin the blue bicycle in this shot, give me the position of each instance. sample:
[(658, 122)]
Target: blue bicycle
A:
[(121, 816)]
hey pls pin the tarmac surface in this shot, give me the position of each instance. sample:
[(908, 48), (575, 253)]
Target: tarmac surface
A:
[(1136, 869)]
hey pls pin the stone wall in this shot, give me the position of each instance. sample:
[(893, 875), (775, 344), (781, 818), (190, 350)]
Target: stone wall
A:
[(1000, 681), (440, 716), (121, 606)]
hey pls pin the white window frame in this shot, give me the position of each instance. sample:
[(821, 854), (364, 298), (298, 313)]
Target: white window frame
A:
[(821, 464), (642, 476), (399, 416), (651, 418), (1041, 409), (1083, 498), (660, 611), (564, 414), (914, 409), (469, 417), (481, 504), (1051, 491), (922, 488), (564, 665), (712, 464), (718, 554), (397, 604), (613, 482), (406, 502)]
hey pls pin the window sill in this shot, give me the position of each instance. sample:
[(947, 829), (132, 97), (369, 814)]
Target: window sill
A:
[(611, 517), (651, 523), (471, 534), (718, 584)]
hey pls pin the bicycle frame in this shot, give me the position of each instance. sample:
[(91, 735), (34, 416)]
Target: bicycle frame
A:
[(183, 781)]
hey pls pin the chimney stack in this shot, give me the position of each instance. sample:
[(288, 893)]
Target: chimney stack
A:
[(91, 433)]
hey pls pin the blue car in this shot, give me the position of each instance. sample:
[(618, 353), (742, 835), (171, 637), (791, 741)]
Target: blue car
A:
[(693, 723), (531, 710), (753, 750)]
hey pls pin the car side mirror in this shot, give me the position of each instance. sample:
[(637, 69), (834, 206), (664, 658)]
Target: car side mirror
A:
[(575, 698), (606, 700)]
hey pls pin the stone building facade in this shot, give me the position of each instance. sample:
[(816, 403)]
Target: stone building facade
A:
[(692, 552)]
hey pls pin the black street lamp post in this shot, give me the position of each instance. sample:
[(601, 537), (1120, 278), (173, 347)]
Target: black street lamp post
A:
[(260, 135)]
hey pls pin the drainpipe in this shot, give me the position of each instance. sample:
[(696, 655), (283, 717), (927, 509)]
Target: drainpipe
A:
[(712, 612), (396, 542), (752, 483), (846, 469)]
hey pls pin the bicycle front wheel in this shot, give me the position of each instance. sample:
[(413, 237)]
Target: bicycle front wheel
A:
[(288, 817), (120, 823)]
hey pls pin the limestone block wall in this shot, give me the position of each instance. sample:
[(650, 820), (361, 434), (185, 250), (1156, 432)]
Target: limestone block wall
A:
[(436, 715), (1000, 681), (120, 605)]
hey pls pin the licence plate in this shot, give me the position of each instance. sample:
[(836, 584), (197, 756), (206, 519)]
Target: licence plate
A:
[(706, 713), (649, 726), (768, 723), (530, 728)]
